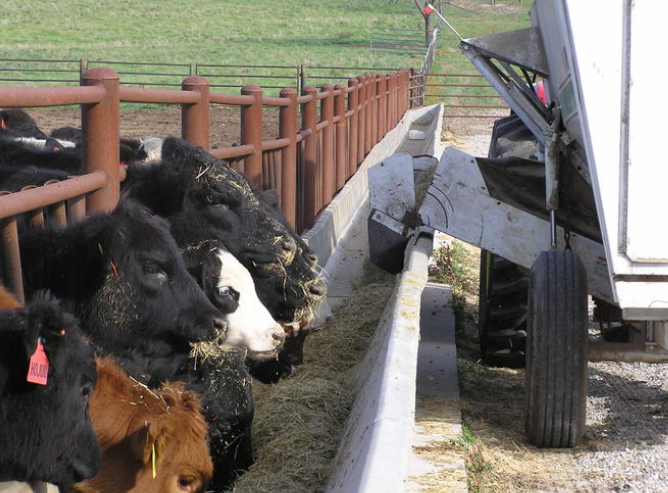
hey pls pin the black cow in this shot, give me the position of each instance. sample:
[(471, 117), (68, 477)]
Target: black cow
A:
[(130, 150), (218, 203), (46, 433), (17, 123), (124, 277), (223, 381), (21, 152)]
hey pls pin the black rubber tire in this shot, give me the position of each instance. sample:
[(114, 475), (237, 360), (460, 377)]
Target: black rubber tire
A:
[(502, 312), (556, 374)]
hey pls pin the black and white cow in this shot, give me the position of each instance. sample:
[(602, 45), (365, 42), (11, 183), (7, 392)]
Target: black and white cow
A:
[(231, 289), (124, 276), (46, 433)]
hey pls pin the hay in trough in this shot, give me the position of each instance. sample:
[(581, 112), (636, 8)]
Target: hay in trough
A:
[(299, 421)]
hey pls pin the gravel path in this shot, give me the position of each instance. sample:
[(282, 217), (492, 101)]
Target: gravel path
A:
[(627, 414)]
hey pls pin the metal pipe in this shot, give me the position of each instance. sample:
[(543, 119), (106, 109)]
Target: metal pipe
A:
[(100, 137), (251, 133), (352, 128), (341, 137), (328, 170), (17, 203), (310, 150), (11, 257), (287, 126), (195, 117)]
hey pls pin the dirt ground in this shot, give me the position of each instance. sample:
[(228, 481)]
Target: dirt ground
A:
[(161, 122)]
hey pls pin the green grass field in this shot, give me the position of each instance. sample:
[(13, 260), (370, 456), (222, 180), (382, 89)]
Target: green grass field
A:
[(266, 32)]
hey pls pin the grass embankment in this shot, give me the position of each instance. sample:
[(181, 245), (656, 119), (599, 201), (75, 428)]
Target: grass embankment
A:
[(471, 18), (289, 32)]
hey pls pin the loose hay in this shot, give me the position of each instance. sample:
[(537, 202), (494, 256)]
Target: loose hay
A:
[(299, 421)]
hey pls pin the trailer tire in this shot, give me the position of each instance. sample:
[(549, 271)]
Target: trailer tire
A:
[(502, 312), (556, 374)]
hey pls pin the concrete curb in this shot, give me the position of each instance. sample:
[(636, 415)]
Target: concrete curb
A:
[(375, 451)]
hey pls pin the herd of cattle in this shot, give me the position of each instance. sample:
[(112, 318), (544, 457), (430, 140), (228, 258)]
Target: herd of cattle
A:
[(152, 320)]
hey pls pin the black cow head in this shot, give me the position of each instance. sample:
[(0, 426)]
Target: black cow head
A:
[(17, 123), (132, 291), (46, 433), (220, 204)]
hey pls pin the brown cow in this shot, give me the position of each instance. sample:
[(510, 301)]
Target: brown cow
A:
[(152, 441), (7, 299)]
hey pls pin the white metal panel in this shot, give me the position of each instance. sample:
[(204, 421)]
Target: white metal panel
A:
[(459, 204), (647, 195)]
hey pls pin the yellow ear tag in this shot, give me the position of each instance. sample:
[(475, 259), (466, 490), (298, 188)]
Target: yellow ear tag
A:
[(153, 459)]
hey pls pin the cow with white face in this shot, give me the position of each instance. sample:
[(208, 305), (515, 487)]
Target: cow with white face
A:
[(230, 287)]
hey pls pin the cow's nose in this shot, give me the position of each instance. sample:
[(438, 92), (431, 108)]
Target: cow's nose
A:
[(318, 289), (279, 335), (218, 324), (289, 246), (312, 259)]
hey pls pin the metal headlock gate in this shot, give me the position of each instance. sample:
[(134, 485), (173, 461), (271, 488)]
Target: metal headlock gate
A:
[(323, 136), (168, 75), (463, 95)]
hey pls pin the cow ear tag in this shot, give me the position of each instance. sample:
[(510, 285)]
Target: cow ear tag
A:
[(38, 367)]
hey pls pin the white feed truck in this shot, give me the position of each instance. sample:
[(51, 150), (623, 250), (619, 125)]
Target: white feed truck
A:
[(567, 205)]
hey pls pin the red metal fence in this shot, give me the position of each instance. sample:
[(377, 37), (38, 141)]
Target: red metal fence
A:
[(462, 95), (323, 137)]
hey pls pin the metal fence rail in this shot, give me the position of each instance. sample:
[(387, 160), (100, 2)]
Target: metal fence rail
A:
[(463, 95), (323, 136), (225, 77)]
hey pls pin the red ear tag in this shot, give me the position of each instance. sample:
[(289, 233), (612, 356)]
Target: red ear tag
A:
[(38, 368), (3, 125)]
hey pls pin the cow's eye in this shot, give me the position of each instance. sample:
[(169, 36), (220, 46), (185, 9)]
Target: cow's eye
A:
[(86, 391), (228, 291), (154, 272), (219, 207), (187, 483)]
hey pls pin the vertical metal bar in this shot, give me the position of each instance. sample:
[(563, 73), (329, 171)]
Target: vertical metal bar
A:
[(302, 78), (375, 91), (251, 133), (76, 209), (368, 114), (352, 127), (58, 214), (100, 137), (287, 128), (382, 106), (310, 146), (195, 117), (341, 134), (361, 128), (11, 257), (35, 218), (328, 169)]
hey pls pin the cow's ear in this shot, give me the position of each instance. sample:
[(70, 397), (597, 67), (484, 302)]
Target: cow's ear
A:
[(210, 271), (49, 322), (269, 198), (148, 445), (158, 186)]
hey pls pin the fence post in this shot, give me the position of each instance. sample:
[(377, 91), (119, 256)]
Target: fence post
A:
[(195, 119), (368, 115), (393, 99), (352, 128), (327, 153), (251, 133), (404, 92), (382, 105), (375, 127), (100, 137), (310, 151), (287, 128), (341, 152), (361, 128)]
